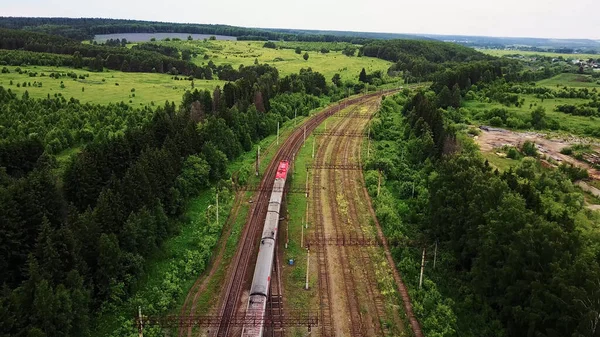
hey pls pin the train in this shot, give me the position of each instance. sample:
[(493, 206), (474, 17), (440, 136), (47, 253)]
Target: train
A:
[(259, 290)]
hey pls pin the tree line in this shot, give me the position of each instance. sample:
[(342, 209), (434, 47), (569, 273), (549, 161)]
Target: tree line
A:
[(95, 57), (86, 28)]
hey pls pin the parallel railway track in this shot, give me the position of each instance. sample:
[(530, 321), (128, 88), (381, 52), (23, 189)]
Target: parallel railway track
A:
[(250, 235)]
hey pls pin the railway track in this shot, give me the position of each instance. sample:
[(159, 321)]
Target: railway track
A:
[(350, 286), (249, 239), (323, 264), (400, 286), (363, 254), (189, 306), (323, 254)]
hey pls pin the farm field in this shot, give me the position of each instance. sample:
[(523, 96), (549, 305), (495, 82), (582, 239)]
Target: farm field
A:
[(286, 60), (570, 80), (102, 88), (502, 52)]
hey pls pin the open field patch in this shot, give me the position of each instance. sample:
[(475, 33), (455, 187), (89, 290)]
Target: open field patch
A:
[(135, 89)]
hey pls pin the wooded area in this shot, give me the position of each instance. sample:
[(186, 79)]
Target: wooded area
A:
[(516, 250), (77, 242)]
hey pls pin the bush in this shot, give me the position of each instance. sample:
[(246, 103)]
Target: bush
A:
[(567, 151), (513, 153), (496, 121), (270, 44), (573, 172), (529, 149)]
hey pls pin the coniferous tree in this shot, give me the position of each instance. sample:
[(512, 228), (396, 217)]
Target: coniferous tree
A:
[(363, 76)]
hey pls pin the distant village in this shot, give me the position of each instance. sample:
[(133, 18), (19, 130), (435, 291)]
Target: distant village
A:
[(586, 64)]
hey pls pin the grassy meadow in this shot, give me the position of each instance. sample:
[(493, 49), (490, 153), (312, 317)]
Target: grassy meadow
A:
[(113, 86), (284, 59), (570, 80), (568, 123), (102, 88), (502, 52)]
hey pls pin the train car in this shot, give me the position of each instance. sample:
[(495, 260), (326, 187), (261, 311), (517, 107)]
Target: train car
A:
[(259, 291)]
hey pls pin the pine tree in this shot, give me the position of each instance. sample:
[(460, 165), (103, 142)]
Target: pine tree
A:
[(363, 76), (46, 253)]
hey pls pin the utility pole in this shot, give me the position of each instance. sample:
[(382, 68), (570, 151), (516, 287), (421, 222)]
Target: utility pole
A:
[(306, 192), (295, 113), (287, 230), (302, 237), (306, 217), (217, 207), (422, 269), (277, 133), (304, 142), (313, 151), (258, 161), (141, 324), (307, 266)]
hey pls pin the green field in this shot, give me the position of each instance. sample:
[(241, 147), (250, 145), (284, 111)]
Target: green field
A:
[(569, 123), (286, 61), (102, 88), (502, 52), (570, 80)]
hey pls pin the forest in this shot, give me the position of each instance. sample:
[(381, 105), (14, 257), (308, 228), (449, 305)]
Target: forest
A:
[(516, 250), (75, 237), (86, 29), (95, 57)]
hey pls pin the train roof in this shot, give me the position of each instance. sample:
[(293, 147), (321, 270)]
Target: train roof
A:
[(282, 169)]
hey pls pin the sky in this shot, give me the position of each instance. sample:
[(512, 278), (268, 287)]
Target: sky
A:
[(510, 18)]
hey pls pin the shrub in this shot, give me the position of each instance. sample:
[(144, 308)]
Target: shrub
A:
[(567, 151), (496, 121), (573, 172), (529, 149), (513, 153), (270, 44)]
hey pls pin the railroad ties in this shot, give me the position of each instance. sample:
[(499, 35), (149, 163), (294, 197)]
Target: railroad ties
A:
[(340, 134), (350, 240), (323, 268), (319, 166), (352, 115), (291, 318)]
